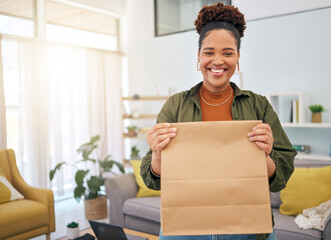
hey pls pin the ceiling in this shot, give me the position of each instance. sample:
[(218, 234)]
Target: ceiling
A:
[(64, 15)]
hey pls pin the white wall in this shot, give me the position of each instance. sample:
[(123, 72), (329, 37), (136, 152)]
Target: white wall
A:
[(255, 9), (284, 53)]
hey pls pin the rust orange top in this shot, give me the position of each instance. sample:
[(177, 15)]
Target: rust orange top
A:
[(216, 107)]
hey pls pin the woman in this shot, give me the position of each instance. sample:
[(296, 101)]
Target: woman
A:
[(217, 99)]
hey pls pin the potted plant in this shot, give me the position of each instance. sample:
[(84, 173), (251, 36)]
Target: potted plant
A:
[(135, 153), (132, 130), (72, 230), (316, 110), (88, 187)]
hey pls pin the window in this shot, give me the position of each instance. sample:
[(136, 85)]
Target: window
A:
[(77, 26), (173, 16), (82, 27)]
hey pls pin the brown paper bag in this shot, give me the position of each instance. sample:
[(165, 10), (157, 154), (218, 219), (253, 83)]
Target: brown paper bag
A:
[(214, 181)]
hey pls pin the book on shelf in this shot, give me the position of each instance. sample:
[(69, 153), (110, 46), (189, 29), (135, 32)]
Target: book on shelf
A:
[(302, 148), (295, 111)]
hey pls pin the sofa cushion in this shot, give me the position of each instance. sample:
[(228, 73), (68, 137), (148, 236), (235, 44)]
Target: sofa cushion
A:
[(142, 225), (286, 228), (275, 199), (307, 187), (145, 207), (143, 191), (21, 216)]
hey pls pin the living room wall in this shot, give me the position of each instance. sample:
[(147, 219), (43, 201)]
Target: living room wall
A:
[(280, 53)]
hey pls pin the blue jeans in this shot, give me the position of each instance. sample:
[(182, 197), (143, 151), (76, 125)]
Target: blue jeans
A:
[(272, 236)]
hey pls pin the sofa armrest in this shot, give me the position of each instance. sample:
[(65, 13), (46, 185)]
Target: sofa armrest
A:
[(118, 189), (327, 227)]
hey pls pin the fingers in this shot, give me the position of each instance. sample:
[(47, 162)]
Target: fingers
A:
[(159, 136), (262, 135)]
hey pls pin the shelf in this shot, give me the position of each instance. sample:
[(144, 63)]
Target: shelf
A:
[(287, 94), (141, 116), (146, 98), (307, 125), (138, 136), (303, 156)]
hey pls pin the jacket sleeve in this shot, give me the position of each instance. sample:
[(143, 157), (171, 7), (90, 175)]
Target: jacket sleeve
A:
[(151, 181), (282, 153)]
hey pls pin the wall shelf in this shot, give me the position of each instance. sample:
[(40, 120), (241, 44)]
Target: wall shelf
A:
[(146, 98), (292, 109), (141, 116), (139, 136), (306, 125), (307, 156)]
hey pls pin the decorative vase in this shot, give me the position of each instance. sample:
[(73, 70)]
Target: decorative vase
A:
[(316, 117), (96, 209), (72, 233)]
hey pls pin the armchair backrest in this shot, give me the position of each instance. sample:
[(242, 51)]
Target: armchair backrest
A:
[(5, 155)]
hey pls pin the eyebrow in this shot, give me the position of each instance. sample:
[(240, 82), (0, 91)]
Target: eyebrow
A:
[(208, 48), (211, 48)]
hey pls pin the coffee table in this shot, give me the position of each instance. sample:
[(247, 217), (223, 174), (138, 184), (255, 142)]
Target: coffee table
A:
[(129, 231)]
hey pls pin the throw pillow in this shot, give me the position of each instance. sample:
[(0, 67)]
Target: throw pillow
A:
[(307, 187), (143, 190), (7, 191)]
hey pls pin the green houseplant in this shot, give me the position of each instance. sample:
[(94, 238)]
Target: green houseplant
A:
[(132, 130), (88, 187), (316, 113), (135, 153), (72, 230)]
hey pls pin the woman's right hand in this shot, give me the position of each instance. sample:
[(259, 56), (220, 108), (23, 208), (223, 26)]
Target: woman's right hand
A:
[(158, 138)]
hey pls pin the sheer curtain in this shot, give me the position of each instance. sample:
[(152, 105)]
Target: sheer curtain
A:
[(3, 142), (68, 95)]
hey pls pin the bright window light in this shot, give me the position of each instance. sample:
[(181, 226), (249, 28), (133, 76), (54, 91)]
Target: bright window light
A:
[(80, 37), (16, 26)]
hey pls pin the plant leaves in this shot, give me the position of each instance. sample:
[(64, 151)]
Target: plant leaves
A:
[(79, 192), (106, 165), (94, 185), (120, 166), (80, 175), (57, 167)]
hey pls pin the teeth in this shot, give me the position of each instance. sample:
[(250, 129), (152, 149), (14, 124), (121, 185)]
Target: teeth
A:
[(217, 70)]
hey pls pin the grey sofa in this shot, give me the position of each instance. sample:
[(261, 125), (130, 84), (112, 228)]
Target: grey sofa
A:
[(143, 214)]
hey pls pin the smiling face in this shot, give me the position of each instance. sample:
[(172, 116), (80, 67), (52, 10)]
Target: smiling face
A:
[(218, 58)]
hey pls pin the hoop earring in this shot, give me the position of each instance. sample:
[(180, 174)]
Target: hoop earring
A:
[(238, 67), (198, 65)]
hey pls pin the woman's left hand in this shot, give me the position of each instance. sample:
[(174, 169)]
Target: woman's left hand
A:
[(261, 134)]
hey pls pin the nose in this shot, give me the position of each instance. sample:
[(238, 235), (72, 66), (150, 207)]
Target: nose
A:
[(218, 60)]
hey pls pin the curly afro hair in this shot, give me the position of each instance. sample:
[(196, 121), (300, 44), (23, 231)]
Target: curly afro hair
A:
[(219, 16)]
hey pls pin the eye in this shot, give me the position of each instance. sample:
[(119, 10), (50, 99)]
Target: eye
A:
[(208, 53), (228, 53)]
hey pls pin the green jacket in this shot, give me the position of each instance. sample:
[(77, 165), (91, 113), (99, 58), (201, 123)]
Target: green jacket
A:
[(185, 107)]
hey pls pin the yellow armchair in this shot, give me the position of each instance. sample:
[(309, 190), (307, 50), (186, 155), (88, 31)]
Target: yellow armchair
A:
[(29, 217)]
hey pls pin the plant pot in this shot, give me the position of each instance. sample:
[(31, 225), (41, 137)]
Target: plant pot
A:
[(72, 233), (132, 133), (96, 209), (316, 117)]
